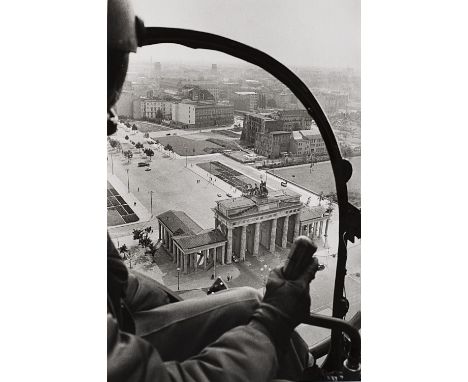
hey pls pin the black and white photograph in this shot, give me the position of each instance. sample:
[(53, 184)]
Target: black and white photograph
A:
[(233, 191), (224, 212)]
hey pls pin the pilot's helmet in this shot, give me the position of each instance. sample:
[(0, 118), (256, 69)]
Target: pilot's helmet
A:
[(121, 28), (121, 40)]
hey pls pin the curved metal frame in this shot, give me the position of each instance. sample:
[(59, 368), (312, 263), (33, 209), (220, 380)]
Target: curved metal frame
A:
[(349, 217)]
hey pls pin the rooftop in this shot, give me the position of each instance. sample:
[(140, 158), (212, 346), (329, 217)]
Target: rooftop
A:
[(245, 93), (309, 213), (248, 205), (205, 238), (236, 202), (310, 132), (179, 223), (265, 116), (280, 132), (201, 104), (297, 135)]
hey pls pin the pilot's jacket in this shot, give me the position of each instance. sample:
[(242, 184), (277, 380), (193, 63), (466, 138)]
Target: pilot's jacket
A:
[(242, 354)]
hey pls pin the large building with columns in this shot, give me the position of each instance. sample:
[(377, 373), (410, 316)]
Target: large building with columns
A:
[(189, 245), (250, 221), (241, 225), (314, 221)]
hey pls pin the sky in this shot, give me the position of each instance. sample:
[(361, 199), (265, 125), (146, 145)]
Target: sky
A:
[(323, 33)]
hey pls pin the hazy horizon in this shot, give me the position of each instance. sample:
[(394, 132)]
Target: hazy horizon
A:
[(301, 33)]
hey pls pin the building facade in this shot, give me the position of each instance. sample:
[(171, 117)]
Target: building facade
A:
[(255, 123), (198, 114), (273, 144), (316, 142), (151, 107), (184, 113), (139, 108), (272, 220), (242, 225), (245, 101), (295, 119), (189, 246)]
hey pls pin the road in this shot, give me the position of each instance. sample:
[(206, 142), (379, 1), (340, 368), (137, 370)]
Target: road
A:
[(187, 188)]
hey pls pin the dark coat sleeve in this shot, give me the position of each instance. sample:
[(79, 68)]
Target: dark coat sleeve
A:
[(241, 354), (144, 293)]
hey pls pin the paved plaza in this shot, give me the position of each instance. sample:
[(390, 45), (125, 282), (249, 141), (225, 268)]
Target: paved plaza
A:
[(177, 183)]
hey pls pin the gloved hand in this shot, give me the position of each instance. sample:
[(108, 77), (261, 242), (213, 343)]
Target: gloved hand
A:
[(285, 304)]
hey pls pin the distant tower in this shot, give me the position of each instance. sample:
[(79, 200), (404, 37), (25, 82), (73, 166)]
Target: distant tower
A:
[(214, 69), (157, 69)]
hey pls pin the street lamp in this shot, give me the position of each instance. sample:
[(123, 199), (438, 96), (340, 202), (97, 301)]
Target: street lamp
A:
[(214, 263), (128, 182), (185, 156), (151, 202), (178, 278), (112, 163)]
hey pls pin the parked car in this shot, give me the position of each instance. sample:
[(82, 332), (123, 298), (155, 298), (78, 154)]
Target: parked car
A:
[(219, 195), (235, 259), (148, 169), (168, 134), (229, 195), (284, 183), (143, 164)]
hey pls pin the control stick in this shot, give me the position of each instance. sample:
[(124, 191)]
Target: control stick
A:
[(300, 257)]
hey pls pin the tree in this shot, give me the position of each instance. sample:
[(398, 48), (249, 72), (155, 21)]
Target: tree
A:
[(152, 250), (130, 257), (136, 234), (128, 154), (139, 145), (127, 138), (123, 250), (144, 241), (113, 143), (149, 152), (134, 127), (321, 197), (159, 116), (168, 147), (146, 135)]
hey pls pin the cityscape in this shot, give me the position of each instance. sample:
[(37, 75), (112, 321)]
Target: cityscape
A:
[(216, 168)]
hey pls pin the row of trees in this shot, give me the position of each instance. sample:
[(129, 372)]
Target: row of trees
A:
[(115, 144), (130, 126), (142, 235)]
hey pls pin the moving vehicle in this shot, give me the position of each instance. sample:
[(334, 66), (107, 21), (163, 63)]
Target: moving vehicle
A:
[(143, 164), (284, 183)]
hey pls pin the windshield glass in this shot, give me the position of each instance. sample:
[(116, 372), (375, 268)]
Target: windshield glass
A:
[(216, 167)]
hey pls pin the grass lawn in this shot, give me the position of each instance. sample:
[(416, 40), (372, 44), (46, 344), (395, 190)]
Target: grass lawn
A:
[(320, 178), (179, 144), (149, 127)]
